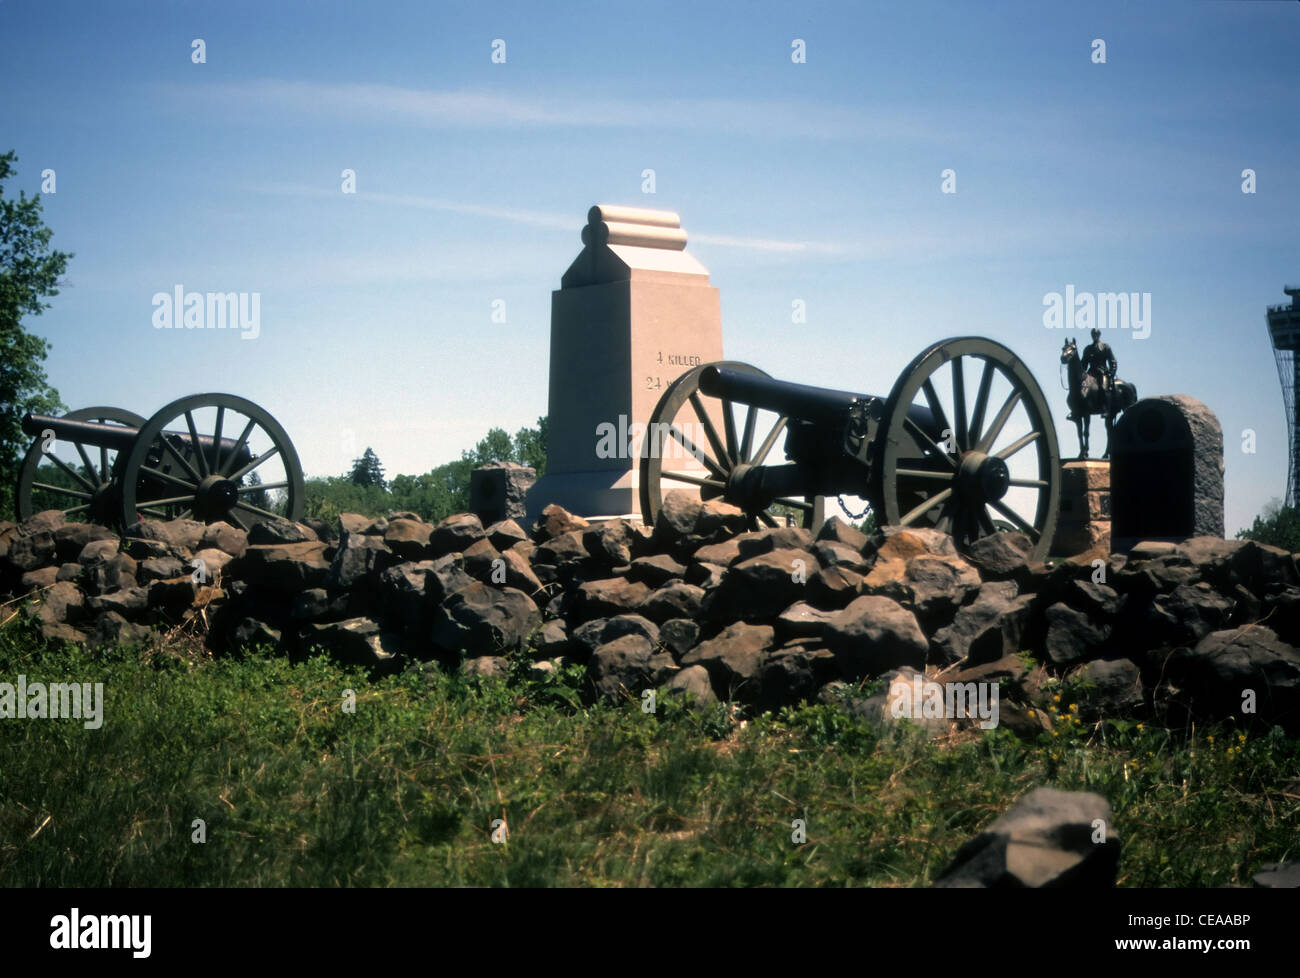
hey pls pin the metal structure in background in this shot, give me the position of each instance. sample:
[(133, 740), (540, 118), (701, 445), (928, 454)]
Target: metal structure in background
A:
[(928, 455), (207, 457), (1284, 332)]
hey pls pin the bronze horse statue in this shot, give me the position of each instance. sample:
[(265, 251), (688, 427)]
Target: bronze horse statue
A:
[(1086, 397)]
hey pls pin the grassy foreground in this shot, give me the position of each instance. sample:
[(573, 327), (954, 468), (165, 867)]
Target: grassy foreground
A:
[(296, 791)]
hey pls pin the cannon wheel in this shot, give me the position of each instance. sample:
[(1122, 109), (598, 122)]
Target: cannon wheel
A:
[(720, 453), (170, 474), (95, 495), (953, 486)]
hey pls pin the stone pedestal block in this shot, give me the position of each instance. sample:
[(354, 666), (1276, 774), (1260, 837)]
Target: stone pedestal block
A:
[(499, 491), (1084, 523)]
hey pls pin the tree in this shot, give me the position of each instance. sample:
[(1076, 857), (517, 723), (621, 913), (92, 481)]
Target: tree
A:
[(367, 472), (496, 446), (530, 447), (29, 273), (1278, 526)]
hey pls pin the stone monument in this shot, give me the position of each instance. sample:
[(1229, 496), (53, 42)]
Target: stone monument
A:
[(633, 312), (1166, 472)]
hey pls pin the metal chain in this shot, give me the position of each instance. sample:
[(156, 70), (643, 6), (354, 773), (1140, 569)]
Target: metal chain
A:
[(849, 513)]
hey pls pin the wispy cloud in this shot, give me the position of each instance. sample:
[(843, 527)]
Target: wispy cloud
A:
[(376, 104)]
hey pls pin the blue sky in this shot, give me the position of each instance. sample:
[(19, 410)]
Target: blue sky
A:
[(817, 181)]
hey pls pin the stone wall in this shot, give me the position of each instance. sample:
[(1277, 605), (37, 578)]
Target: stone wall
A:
[(695, 604)]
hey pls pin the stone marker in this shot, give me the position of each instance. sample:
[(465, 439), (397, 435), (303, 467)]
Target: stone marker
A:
[(634, 312), (1166, 472), (499, 491)]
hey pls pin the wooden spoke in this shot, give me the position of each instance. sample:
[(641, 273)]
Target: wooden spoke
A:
[(919, 511), (985, 522), (936, 407), (76, 509), (1018, 444), (961, 433), (181, 460), (258, 487), (697, 452), (769, 441), (1015, 518), (215, 466), (85, 459), (999, 422), (233, 517), (240, 443), (267, 455), (747, 439), (169, 501), (800, 504), (694, 480), (729, 430), (194, 444), (62, 490), (710, 432), (981, 401), (924, 474), (167, 477), (1029, 483), (928, 442), (103, 465), (71, 471), (250, 508), (767, 518)]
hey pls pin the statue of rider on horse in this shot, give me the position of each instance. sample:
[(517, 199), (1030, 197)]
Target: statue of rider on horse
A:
[(1094, 389)]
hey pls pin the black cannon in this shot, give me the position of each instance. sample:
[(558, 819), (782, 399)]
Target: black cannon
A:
[(207, 457), (927, 455)]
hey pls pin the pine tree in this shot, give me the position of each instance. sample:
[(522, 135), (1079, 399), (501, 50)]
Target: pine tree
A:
[(367, 472)]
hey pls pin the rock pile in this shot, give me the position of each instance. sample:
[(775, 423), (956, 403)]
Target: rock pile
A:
[(1206, 629)]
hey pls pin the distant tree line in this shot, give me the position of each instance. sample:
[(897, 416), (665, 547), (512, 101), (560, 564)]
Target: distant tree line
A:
[(434, 495)]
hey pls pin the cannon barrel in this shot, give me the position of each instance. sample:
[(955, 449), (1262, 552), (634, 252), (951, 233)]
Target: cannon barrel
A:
[(816, 404), (111, 436)]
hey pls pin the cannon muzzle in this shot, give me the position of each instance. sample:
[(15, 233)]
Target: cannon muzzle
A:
[(798, 401), (113, 436)]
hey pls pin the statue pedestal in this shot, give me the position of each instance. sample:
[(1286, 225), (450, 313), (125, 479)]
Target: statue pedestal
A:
[(1084, 523)]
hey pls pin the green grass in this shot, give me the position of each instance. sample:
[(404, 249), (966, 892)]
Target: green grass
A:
[(296, 792)]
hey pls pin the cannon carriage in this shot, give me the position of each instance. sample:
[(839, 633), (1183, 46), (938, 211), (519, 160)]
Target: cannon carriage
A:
[(206, 457), (964, 443)]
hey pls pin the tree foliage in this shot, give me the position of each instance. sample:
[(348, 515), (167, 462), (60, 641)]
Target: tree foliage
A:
[(434, 495), (29, 274), (1278, 526)]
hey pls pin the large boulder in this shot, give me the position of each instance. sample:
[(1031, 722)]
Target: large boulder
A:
[(734, 659), (357, 641), (481, 620), (987, 629), (626, 666), (759, 587), (455, 534), (873, 635), (1247, 673), (1049, 838), (593, 634)]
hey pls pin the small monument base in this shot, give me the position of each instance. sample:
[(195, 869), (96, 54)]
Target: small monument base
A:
[(1084, 523)]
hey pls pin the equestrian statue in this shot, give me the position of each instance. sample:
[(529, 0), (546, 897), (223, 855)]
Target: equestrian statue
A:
[(1094, 389)]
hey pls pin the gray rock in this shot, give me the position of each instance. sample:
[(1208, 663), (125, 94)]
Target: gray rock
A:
[(485, 667), (128, 602), (358, 557), (693, 684), (873, 635), (679, 635), (1045, 840), (42, 577), (610, 542), (63, 603), (621, 669), (555, 520), (615, 596), (27, 553), (455, 534), (722, 554), (282, 568), (479, 620), (758, 542), (677, 599), (1071, 636), (1002, 556), (835, 587), (678, 514), (251, 633), (1227, 668), (357, 641), (1112, 688), (832, 554), (734, 659), (563, 550), (900, 691), (802, 620), (761, 586), (272, 531), (1278, 876), (159, 569), (553, 639), (408, 539), (656, 570), (179, 534), (481, 562), (835, 530), (100, 577), (504, 534), (1188, 614), (602, 631), (987, 629), (71, 538), (795, 672)]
